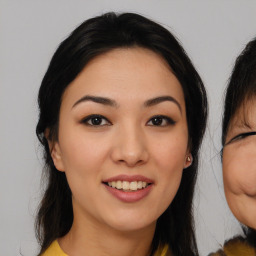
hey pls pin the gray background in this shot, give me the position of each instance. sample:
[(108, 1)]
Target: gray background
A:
[(212, 32)]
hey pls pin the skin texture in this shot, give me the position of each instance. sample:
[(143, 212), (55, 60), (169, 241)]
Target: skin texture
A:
[(126, 142), (239, 165)]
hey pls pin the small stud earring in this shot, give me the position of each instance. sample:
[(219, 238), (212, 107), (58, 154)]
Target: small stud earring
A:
[(189, 159)]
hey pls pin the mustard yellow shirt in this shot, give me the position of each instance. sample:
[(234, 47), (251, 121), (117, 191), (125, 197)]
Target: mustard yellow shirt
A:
[(55, 250)]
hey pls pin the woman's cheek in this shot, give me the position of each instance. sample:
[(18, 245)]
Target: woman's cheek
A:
[(239, 172)]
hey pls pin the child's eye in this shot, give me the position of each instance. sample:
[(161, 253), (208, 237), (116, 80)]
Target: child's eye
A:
[(95, 120), (160, 120), (241, 136)]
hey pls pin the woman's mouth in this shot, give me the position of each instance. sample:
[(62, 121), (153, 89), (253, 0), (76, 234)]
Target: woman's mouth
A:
[(129, 188)]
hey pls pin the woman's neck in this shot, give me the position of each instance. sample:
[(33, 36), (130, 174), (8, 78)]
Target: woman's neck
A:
[(89, 238)]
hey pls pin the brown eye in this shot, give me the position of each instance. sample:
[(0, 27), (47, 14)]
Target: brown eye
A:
[(157, 120), (95, 120), (160, 121)]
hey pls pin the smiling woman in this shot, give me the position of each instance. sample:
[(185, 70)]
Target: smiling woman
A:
[(122, 114), (239, 126), (239, 150)]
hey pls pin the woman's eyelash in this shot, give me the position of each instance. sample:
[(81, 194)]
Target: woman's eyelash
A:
[(95, 120), (160, 120), (241, 136)]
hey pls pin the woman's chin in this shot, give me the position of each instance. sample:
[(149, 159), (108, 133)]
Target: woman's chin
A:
[(249, 219), (250, 223), (131, 224)]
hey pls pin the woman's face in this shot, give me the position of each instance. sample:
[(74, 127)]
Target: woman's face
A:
[(239, 165), (123, 139)]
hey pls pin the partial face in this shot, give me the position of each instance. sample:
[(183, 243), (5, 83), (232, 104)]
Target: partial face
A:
[(239, 165), (123, 139)]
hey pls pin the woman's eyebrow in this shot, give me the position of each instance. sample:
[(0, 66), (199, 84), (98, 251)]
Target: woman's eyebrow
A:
[(113, 103), (97, 99), (160, 99)]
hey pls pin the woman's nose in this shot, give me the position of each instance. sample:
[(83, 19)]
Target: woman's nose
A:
[(130, 147)]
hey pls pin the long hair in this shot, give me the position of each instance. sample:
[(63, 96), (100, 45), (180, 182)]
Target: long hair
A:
[(240, 90), (93, 38)]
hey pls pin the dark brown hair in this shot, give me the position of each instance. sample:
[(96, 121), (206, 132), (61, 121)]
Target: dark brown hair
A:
[(241, 87), (92, 38)]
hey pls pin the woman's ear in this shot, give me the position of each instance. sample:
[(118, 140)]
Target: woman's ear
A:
[(188, 160), (55, 151)]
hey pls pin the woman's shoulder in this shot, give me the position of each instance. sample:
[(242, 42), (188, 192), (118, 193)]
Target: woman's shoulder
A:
[(54, 250), (237, 246)]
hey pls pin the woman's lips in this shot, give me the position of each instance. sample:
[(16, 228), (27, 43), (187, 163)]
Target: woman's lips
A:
[(129, 188)]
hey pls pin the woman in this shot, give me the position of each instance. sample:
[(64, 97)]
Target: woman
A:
[(122, 114), (239, 149)]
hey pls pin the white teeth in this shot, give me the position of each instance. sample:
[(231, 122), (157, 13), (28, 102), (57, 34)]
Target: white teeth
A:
[(119, 184), (126, 185), (133, 185)]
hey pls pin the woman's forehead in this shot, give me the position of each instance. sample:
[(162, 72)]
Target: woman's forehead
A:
[(136, 72), (245, 115)]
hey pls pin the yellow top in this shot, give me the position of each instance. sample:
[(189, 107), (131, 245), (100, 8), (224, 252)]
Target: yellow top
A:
[(55, 250)]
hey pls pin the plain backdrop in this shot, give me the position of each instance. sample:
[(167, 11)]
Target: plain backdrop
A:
[(212, 32)]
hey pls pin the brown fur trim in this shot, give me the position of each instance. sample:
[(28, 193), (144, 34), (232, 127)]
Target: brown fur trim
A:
[(237, 246), (218, 253)]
